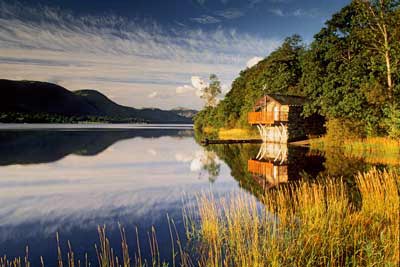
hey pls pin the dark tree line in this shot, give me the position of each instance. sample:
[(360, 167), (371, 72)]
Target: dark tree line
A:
[(31, 117), (350, 74)]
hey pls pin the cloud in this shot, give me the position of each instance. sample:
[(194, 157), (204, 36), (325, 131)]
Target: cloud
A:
[(253, 61), (311, 13), (277, 12), (206, 19), (199, 84), (225, 88), (202, 158), (129, 60), (152, 95), (196, 165), (279, 1), (253, 3), (231, 13), (152, 152), (184, 89), (182, 157)]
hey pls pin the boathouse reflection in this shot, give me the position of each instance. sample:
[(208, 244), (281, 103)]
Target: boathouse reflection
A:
[(279, 163), (270, 167)]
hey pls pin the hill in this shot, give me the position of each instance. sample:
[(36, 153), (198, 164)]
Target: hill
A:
[(109, 108), (185, 112), (32, 101), (41, 97)]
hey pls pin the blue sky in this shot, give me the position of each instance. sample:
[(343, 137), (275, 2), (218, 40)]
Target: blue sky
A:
[(146, 52)]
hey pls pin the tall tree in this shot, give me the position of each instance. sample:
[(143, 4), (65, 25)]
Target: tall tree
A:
[(211, 92), (334, 68), (380, 22)]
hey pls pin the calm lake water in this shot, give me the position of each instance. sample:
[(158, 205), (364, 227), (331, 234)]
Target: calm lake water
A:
[(73, 179)]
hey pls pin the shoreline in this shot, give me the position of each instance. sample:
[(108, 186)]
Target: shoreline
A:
[(90, 126)]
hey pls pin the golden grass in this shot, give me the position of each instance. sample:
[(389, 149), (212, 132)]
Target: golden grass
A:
[(237, 134), (208, 130), (369, 143), (374, 150), (310, 225), (374, 144)]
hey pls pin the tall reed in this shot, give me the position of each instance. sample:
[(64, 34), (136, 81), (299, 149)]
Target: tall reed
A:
[(312, 224), (107, 256)]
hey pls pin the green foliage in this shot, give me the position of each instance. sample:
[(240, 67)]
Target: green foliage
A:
[(279, 73), (393, 121), (344, 74), (206, 118), (341, 130), (350, 73), (379, 32)]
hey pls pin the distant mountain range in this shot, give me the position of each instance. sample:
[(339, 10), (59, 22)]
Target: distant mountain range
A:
[(32, 101), (184, 112)]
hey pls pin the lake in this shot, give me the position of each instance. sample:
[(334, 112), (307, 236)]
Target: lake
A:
[(72, 178)]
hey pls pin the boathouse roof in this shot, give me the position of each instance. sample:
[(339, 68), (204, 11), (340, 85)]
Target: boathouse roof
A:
[(282, 100)]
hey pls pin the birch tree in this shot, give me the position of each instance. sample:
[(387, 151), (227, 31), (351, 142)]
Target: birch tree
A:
[(211, 92), (382, 32)]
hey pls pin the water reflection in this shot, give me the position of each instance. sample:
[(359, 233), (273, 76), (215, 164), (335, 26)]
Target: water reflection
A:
[(208, 164), (32, 147), (72, 181), (279, 163), (270, 167), (260, 167)]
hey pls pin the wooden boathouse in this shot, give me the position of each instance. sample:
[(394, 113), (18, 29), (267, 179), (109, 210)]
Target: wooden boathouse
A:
[(278, 118)]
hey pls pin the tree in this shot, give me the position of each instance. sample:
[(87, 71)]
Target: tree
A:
[(211, 92), (335, 67), (380, 21), (350, 73), (393, 121), (278, 73)]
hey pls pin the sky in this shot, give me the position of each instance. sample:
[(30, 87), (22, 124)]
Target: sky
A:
[(148, 53)]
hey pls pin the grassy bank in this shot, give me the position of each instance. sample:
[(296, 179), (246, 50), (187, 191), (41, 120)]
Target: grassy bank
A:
[(310, 225), (229, 134), (237, 134), (374, 150)]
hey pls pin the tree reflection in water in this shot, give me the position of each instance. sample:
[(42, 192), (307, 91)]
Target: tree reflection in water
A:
[(211, 165), (259, 168)]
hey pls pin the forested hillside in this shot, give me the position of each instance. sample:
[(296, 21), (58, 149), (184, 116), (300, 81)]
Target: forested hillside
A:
[(350, 74)]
